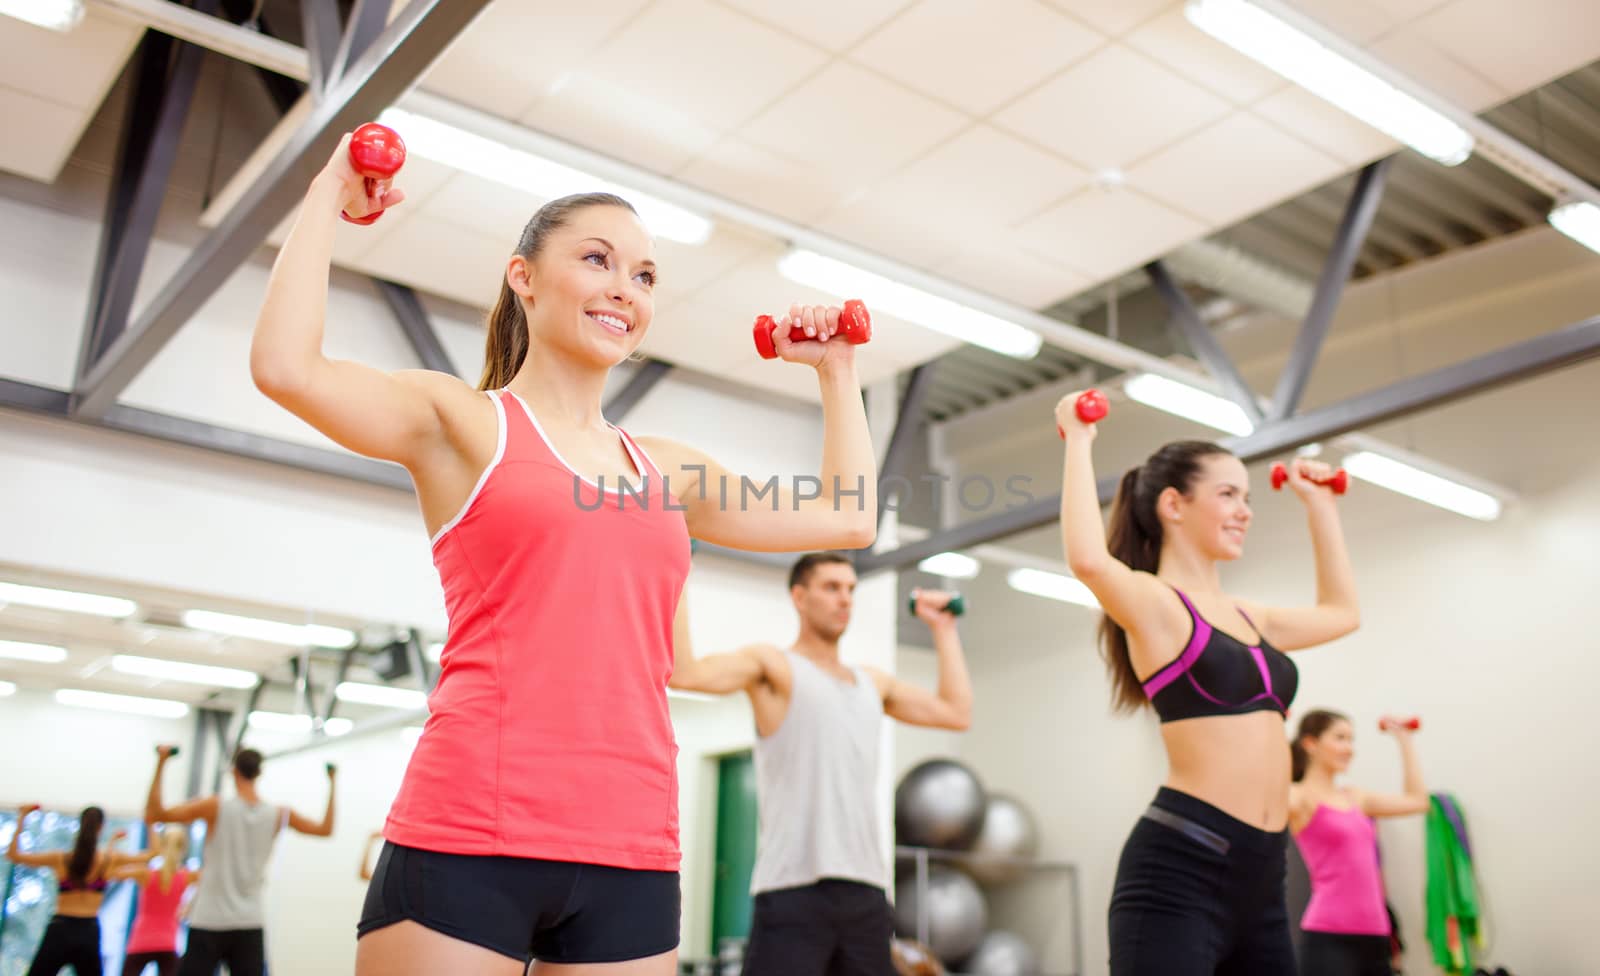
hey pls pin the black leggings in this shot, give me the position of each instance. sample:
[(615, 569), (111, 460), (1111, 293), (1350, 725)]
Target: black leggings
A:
[(1338, 954), (166, 963), (68, 941), (1199, 893)]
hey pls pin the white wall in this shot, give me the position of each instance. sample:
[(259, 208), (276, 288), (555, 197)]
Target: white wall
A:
[(1481, 628), (69, 758)]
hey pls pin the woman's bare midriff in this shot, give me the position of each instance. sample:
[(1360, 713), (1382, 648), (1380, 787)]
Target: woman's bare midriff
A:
[(1237, 763)]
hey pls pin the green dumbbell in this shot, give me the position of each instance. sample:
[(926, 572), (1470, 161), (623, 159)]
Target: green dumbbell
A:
[(956, 607)]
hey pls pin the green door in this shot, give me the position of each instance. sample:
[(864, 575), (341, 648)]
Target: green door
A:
[(736, 848)]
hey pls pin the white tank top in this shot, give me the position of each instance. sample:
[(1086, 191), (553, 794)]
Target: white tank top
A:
[(815, 782), (235, 866)]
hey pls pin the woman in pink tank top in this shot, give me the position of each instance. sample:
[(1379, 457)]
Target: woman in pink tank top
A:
[(162, 894), (538, 814), (1346, 925)]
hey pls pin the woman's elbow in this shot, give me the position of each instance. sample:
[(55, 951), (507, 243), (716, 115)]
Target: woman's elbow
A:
[(277, 380)]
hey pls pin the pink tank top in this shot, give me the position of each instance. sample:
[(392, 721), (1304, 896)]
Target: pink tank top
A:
[(155, 923), (549, 734), (1340, 848)]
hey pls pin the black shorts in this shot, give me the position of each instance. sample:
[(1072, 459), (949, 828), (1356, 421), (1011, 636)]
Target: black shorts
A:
[(1338, 954), (553, 911), (831, 928)]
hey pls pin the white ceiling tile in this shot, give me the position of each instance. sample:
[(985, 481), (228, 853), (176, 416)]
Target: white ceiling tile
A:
[(1330, 129), (706, 64), (492, 209), (1191, 52), (73, 68), (976, 56), (1006, 271), (442, 258), (1112, 17), (528, 45), (1112, 108), (658, 134), (686, 269), (935, 206), (1404, 11), (853, 125), (788, 186), (51, 131), (1355, 20), (832, 24), (1517, 48), (1107, 232), (1408, 51), (882, 224), (989, 178), (1232, 169)]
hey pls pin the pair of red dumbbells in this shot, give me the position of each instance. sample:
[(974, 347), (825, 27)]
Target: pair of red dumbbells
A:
[(1092, 407), (377, 152)]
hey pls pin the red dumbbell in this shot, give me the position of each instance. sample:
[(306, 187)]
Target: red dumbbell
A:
[(1091, 408), (1339, 481), (1392, 722), (376, 152), (855, 327)]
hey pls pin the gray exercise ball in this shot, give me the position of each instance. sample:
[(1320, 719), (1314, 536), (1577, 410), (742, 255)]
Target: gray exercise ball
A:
[(957, 913), (939, 803), (1002, 953), (1009, 830)]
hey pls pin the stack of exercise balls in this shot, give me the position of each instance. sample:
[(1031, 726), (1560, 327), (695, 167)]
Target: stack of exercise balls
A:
[(941, 804)]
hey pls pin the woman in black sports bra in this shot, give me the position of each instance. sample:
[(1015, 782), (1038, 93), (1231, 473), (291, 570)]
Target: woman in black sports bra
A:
[(73, 936), (1200, 885)]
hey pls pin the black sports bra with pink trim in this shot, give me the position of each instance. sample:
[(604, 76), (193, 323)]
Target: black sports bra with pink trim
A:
[(1217, 674)]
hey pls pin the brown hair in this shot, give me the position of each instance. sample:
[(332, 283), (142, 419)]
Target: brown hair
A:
[(1135, 539), (247, 763), (82, 860), (1312, 726), (507, 344), (800, 573)]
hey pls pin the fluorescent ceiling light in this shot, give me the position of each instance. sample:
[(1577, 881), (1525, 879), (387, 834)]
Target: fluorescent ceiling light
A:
[(1579, 220), (1186, 401), (1307, 62), (23, 651), (1423, 486), (155, 707), (1052, 586), (471, 153), (69, 600), (383, 695), (955, 565), (273, 631), (56, 15), (195, 674), (7, 688), (284, 722), (912, 304)]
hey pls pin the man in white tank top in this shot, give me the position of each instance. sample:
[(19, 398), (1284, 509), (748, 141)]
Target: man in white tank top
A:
[(820, 880), (226, 918)]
